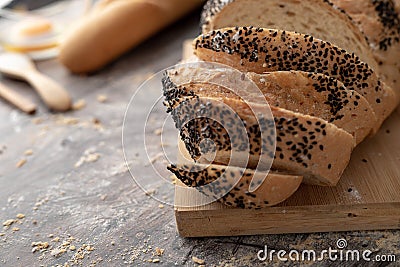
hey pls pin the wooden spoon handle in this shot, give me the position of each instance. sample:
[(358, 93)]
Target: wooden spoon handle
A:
[(55, 96), (17, 100)]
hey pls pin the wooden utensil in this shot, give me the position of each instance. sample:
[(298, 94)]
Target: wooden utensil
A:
[(20, 66), (17, 100)]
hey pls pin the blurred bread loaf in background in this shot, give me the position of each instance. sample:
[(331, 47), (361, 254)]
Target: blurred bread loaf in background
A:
[(115, 26)]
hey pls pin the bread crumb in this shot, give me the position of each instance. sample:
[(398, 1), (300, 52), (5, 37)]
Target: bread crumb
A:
[(28, 152), (66, 120), (158, 131), (72, 247), (58, 252), (56, 239), (15, 229), (20, 216), (9, 222), (96, 121), (161, 206), (2, 234), (155, 158), (37, 120), (156, 260), (159, 251), (150, 192), (78, 105), (20, 163), (50, 236), (39, 246), (197, 260), (101, 98), (88, 156)]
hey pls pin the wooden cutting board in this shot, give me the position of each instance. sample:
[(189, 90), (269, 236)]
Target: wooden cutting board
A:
[(366, 198)]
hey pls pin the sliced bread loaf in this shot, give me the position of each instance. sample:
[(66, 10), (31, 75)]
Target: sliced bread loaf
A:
[(264, 50), (230, 132), (380, 22), (230, 185), (313, 17), (306, 93)]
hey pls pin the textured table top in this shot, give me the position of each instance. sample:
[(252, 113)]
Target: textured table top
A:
[(74, 202)]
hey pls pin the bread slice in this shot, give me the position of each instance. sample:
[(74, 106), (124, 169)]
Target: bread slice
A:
[(230, 132), (264, 50), (306, 93), (313, 17), (380, 22), (230, 185)]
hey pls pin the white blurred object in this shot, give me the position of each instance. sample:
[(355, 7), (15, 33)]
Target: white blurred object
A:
[(37, 32)]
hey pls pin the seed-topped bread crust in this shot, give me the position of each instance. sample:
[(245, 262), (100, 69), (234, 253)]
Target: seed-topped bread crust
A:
[(380, 22), (313, 17), (275, 187), (264, 50), (310, 93)]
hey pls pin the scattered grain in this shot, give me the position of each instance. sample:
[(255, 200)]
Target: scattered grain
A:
[(197, 260), (37, 120), (159, 251), (102, 98), (78, 105), (158, 131), (28, 152), (62, 120), (88, 156), (9, 222), (39, 246), (20, 163), (57, 252)]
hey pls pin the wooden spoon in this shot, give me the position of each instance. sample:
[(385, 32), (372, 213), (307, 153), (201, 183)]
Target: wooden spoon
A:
[(20, 66), (17, 100)]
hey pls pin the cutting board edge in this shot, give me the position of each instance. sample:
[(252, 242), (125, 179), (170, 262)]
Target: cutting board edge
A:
[(283, 220)]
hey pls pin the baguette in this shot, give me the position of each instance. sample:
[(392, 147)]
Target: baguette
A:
[(114, 27)]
